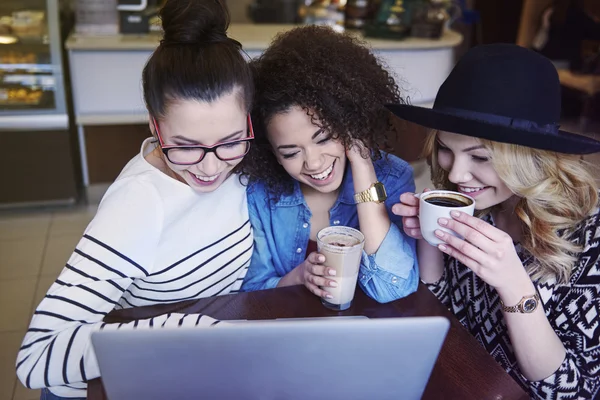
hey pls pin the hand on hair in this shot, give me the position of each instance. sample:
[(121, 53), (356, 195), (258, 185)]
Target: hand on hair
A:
[(358, 154), (312, 274), (408, 209), (487, 251)]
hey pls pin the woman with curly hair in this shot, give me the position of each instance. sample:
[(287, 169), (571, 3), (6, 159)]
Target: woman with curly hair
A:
[(525, 280), (320, 125)]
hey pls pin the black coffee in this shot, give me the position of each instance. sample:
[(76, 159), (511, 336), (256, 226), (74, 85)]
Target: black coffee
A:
[(447, 201)]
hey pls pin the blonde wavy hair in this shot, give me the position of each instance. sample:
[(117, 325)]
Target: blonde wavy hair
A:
[(557, 192)]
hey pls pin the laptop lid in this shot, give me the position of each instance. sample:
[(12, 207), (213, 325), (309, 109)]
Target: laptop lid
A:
[(388, 358)]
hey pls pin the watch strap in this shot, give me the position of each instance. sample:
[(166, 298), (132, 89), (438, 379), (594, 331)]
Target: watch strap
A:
[(375, 193), (518, 308), (363, 197)]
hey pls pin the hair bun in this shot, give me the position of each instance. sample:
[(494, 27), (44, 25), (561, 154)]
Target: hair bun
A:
[(194, 21)]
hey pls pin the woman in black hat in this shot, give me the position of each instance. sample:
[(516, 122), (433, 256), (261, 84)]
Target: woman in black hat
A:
[(526, 279)]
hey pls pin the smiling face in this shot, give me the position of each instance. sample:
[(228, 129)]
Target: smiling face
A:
[(306, 152), (469, 166), (189, 123)]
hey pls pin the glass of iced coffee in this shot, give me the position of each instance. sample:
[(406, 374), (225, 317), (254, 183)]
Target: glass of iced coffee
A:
[(342, 247)]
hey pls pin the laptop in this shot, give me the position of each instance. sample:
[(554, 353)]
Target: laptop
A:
[(355, 358)]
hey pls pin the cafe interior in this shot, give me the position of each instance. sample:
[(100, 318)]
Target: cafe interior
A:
[(70, 95)]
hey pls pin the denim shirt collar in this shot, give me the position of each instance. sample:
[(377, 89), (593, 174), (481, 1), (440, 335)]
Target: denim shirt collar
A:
[(296, 198)]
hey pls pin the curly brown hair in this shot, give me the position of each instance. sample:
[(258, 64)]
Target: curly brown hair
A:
[(335, 78)]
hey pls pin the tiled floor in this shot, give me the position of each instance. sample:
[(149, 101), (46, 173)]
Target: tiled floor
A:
[(34, 246)]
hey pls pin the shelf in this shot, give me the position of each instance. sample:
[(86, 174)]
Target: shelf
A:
[(31, 68), (43, 101), (22, 4), (33, 121), (29, 41), (20, 57), (28, 45)]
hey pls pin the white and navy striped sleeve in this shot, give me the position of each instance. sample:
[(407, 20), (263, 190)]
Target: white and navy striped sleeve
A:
[(118, 246)]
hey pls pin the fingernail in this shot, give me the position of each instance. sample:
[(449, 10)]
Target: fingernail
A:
[(439, 233), (332, 272), (321, 258), (442, 247), (329, 296), (443, 221), (333, 283), (455, 214)]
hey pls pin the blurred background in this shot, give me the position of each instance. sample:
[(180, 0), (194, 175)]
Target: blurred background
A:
[(72, 114), (70, 103)]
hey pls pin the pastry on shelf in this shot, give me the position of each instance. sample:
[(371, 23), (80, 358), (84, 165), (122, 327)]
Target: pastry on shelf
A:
[(28, 23), (20, 96), (18, 57)]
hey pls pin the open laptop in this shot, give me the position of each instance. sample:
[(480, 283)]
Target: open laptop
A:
[(383, 358)]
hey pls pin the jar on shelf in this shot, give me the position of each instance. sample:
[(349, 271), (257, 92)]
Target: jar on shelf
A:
[(356, 14)]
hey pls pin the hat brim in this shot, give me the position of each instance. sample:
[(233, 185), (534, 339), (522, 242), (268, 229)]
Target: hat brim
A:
[(563, 142)]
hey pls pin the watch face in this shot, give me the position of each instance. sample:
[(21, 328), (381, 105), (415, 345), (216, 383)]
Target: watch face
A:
[(529, 305), (380, 190)]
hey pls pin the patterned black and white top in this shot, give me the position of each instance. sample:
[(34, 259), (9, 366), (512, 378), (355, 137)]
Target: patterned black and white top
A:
[(573, 310), (153, 240)]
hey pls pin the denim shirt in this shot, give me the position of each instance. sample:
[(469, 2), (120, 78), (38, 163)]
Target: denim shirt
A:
[(282, 229)]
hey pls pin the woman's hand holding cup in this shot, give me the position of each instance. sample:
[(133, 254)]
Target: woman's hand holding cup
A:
[(313, 275), (408, 209), (421, 213)]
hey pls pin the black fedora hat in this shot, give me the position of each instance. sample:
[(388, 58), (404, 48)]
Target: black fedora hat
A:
[(504, 93)]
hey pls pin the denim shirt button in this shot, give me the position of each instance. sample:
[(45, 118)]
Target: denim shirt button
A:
[(336, 222), (305, 225), (394, 279), (299, 250)]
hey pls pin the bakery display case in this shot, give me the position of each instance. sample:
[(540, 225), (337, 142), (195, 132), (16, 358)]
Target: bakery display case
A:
[(30, 67), (30, 64), (33, 111)]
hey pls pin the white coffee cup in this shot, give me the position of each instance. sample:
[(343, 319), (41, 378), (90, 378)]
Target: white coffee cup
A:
[(437, 204)]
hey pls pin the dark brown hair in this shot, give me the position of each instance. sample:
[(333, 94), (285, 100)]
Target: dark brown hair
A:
[(195, 60), (335, 79)]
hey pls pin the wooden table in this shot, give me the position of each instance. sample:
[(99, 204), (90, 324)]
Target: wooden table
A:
[(464, 370)]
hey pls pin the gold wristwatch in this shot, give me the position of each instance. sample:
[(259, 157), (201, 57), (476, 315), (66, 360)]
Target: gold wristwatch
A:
[(526, 305), (375, 193)]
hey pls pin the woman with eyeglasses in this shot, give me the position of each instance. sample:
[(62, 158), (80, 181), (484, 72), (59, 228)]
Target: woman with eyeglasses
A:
[(174, 225)]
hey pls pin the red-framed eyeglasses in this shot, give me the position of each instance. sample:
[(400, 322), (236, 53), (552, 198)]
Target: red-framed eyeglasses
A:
[(193, 154)]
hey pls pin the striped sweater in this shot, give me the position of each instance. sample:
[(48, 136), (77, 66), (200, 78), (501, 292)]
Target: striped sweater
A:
[(153, 240)]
